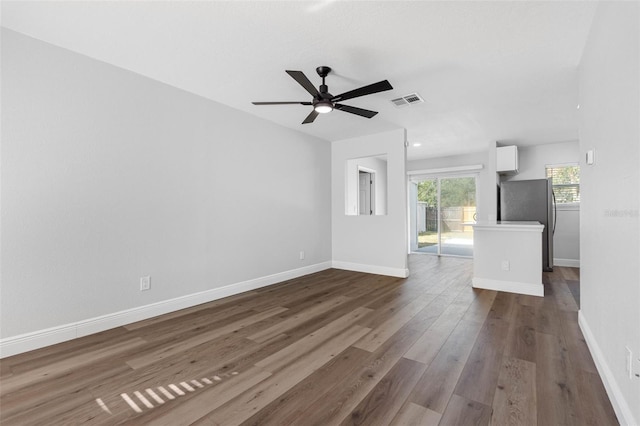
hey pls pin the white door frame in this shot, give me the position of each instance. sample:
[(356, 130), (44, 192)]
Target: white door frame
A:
[(437, 177), (372, 189)]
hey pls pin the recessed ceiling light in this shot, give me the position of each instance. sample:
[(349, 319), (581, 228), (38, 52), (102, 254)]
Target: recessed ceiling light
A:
[(417, 144)]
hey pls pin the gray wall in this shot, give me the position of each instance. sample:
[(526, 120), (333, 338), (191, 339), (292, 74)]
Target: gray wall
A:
[(610, 232), (108, 176), (376, 244), (533, 159)]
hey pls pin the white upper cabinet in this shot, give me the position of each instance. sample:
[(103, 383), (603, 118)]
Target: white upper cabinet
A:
[(507, 159)]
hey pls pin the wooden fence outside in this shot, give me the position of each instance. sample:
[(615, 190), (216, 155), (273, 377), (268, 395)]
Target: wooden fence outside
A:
[(453, 218)]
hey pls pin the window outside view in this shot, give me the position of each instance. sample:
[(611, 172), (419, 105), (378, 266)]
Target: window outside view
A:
[(565, 182)]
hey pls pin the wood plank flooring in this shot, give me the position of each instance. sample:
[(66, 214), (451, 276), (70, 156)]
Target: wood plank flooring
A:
[(331, 348)]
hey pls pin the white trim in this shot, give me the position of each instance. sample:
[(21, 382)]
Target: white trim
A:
[(41, 338), (568, 206), (555, 166), (371, 269), (455, 169), (530, 289), (570, 263), (366, 169), (620, 405)]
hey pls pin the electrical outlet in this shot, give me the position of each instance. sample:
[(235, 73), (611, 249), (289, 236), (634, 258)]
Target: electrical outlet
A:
[(505, 265), (302, 255), (629, 362), (145, 283)]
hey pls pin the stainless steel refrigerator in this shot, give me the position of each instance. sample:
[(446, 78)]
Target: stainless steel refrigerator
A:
[(531, 200)]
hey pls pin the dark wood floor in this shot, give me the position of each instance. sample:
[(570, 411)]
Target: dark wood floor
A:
[(335, 347)]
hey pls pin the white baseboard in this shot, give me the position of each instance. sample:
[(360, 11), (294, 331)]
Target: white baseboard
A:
[(371, 269), (570, 263), (41, 338), (619, 403), (509, 286)]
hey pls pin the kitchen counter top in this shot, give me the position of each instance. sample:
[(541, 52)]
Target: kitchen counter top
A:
[(510, 226)]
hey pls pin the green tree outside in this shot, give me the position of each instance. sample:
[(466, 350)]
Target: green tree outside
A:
[(453, 192), (566, 183)]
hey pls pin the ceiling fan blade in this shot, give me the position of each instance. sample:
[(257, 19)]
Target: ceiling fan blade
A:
[(304, 82), (311, 117), (281, 103), (380, 86), (354, 110)]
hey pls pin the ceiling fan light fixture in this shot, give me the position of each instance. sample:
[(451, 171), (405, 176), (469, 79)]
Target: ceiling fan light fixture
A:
[(324, 102), (323, 107)]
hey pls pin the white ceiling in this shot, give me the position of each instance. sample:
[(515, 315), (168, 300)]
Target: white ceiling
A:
[(488, 71)]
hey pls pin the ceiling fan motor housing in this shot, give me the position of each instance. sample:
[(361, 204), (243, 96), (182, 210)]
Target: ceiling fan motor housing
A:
[(324, 102), (324, 92)]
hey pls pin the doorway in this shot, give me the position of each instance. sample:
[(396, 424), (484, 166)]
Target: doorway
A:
[(443, 210), (366, 192)]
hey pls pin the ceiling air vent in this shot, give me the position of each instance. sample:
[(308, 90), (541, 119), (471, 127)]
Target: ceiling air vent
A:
[(412, 98)]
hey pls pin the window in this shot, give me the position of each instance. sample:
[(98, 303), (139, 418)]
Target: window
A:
[(566, 182)]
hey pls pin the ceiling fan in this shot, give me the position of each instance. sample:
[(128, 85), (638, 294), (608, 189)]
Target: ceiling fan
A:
[(324, 102)]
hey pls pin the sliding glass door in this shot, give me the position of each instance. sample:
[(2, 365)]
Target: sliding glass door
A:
[(457, 213), (445, 210)]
